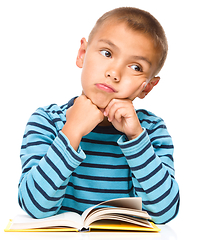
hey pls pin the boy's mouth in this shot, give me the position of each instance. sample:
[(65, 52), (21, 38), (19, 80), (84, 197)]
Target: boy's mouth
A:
[(105, 87)]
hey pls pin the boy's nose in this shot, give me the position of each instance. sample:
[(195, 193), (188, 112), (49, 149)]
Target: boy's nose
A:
[(113, 75)]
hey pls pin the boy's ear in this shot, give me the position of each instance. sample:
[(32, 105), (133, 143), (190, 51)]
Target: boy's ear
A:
[(81, 53), (153, 82)]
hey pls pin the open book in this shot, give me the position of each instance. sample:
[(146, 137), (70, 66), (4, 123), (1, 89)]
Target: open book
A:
[(116, 214)]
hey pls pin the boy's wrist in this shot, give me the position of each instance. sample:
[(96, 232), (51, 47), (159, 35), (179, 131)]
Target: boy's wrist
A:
[(73, 136), (135, 135), (124, 142)]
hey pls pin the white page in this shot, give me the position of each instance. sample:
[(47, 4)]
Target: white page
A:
[(70, 219)]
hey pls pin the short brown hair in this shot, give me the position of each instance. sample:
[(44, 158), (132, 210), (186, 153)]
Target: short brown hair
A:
[(138, 20)]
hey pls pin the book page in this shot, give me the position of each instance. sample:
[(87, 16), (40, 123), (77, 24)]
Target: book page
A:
[(115, 213), (68, 219), (130, 202), (118, 225), (122, 218)]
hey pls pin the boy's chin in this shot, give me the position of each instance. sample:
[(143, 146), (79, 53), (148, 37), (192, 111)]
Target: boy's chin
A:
[(100, 100), (101, 104)]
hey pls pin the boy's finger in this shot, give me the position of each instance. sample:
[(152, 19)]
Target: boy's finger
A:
[(115, 110), (107, 109), (119, 114), (112, 107)]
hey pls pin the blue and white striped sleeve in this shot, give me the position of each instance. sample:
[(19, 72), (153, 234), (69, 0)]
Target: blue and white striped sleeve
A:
[(47, 160), (150, 158)]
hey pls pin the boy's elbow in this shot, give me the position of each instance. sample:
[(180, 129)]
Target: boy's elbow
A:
[(37, 214), (168, 214), (34, 211)]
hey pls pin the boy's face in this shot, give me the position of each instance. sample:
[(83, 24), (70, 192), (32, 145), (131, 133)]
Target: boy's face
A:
[(116, 63)]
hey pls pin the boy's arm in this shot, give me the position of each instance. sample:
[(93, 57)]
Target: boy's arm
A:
[(81, 119), (150, 157), (48, 160)]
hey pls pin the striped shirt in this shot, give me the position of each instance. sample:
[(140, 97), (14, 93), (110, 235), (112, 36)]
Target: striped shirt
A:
[(56, 178)]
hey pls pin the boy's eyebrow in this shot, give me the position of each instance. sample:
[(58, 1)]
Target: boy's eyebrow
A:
[(108, 42), (142, 58), (133, 57)]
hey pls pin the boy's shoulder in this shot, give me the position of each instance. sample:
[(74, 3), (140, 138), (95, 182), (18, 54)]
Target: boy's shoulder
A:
[(51, 115), (54, 109), (143, 113), (148, 119), (51, 112)]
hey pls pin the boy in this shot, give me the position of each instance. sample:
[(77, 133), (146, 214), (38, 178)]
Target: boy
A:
[(97, 147)]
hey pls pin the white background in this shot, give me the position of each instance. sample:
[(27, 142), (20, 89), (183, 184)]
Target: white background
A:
[(39, 41)]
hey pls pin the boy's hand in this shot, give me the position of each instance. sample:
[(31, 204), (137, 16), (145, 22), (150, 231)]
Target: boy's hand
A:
[(81, 118), (122, 115)]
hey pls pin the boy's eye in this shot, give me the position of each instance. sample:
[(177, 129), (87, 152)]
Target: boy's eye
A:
[(136, 68), (106, 53)]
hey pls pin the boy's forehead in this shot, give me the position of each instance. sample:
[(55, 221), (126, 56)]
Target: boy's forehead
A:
[(116, 34), (118, 31)]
